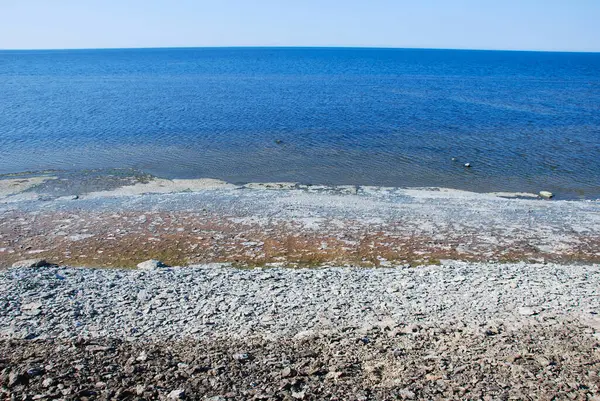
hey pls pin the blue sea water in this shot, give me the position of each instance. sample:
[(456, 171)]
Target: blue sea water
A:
[(526, 121)]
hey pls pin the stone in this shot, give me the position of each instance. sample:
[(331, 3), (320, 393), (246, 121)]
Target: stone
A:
[(32, 312), (98, 348), (288, 372), (176, 395), (23, 264), (241, 357), (143, 295), (526, 311), (334, 375), (460, 369), (15, 378), (151, 264), (35, 371), (546, 194), (32, 308), (300, 395)]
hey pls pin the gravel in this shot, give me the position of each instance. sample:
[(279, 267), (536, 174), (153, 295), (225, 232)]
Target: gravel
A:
[(438, 362), (216, 300), (452, 331)]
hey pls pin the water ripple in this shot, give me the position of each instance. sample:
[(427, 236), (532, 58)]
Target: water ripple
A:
[(525, 121)]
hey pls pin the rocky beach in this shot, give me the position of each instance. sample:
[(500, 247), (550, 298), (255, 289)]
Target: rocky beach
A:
[(284, 291)]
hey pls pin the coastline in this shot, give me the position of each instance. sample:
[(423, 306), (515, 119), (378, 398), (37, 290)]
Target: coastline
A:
[(286, 291), (186, 222), (123, 275)]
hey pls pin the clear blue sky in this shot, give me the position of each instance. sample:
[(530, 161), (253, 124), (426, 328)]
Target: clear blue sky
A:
[(572, 25)]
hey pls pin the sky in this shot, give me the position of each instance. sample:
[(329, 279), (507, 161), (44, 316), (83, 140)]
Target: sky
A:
[(560, 25)]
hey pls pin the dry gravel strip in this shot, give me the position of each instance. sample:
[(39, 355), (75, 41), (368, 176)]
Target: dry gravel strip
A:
[(543, 361), (459, 330)]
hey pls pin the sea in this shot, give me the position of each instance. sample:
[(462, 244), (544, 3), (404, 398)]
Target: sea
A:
[(523, 121)]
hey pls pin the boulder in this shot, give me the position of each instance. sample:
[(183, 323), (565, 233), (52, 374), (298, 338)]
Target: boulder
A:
[(151, 264), (21, 264)]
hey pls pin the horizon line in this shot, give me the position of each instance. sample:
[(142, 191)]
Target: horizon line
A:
[(294, 47)]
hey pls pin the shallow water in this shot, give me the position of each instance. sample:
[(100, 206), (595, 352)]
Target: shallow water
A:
[(526, 121)]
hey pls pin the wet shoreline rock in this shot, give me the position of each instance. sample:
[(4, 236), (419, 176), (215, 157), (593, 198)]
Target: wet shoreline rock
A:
[(151, 264), (27, 263)]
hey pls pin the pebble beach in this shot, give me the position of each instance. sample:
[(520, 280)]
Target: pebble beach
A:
[(282, 292)]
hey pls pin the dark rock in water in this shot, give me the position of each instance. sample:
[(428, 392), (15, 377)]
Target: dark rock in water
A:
[(22, 264)]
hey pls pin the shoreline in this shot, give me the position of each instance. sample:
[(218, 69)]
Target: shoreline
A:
[(186, 222), (378, 307), (56, 183)]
